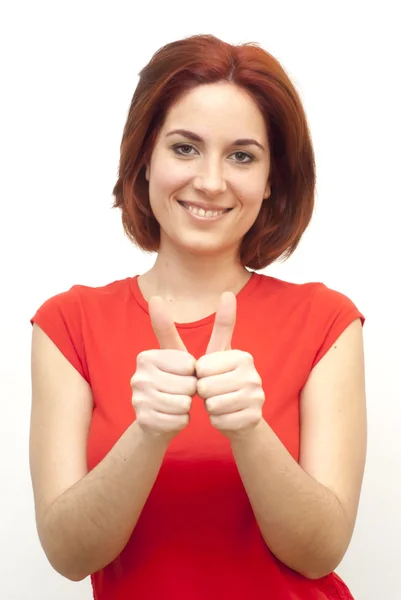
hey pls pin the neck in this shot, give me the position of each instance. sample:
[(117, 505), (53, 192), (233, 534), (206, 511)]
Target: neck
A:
[(179, 276)]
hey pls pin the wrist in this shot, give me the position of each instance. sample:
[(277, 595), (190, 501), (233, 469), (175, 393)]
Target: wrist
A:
[(149, 438), (250, 435)]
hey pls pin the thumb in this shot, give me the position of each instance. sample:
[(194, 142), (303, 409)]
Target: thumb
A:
[(163, 325), (224, 324)]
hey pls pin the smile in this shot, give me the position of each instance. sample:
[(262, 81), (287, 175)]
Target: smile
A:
[(202, 213)]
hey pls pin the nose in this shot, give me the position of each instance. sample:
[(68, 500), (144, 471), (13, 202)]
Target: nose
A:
[(210, 178)]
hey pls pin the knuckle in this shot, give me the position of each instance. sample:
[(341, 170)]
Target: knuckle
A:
[(140, 399), (247, 358), (200, 366), (139, 380), (178, 404), (135, 379), (188, 385), (255, 379), (193, 383), (202, 389), (218, 422), (186, 404), (138, 383), (189, 363), (142, 358), (211, 406)]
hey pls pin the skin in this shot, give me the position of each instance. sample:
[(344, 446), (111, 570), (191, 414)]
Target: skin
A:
[(306, 512), (216, 172)]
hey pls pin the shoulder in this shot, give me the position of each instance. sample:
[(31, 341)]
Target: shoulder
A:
[(81, 297), (281, 288), (73, 318), (318, 295), (106, 292), (312, 313)]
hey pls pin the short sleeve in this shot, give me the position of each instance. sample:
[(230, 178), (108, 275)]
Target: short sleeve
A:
[(61, 319), (333, 312)]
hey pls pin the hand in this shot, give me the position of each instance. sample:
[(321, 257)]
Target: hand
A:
[(228, 380), (164, 381)]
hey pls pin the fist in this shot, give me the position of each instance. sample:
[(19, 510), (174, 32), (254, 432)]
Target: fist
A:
[(162, 389)]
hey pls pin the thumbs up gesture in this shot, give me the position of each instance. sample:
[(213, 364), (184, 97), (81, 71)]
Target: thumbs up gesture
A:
[(227, 379), (166, 379)]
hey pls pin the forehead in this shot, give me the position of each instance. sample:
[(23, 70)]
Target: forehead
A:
[(217, 108)]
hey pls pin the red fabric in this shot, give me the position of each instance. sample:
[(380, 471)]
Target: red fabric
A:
[(197, 536)]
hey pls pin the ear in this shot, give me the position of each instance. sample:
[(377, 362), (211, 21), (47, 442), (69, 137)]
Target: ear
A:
[(268, 191), (147, 172)]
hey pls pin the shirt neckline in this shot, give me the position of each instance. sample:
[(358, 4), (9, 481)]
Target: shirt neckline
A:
[(244, 292)]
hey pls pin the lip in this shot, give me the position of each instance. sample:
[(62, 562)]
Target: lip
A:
[(199, 218), (212, 207)]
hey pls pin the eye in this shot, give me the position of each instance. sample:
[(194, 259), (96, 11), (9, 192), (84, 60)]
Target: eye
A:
[(182, 149), (185, 150), (243, 155)]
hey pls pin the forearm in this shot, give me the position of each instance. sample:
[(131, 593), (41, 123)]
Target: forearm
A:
[(89, 525), (301, 521)]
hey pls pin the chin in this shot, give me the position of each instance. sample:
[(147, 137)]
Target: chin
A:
[(202, 247)]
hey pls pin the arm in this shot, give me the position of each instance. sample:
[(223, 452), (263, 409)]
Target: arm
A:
[(84, 520), (306, 512)]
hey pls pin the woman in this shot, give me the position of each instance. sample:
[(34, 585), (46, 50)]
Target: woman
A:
[(199, 431)]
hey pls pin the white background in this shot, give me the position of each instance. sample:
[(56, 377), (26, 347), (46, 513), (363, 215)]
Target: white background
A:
[(68, 72)]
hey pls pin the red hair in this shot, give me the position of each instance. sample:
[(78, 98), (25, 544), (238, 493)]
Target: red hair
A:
[(203, 59)]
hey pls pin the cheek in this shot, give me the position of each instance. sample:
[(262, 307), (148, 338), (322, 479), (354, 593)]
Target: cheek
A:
[(249, 185), (165, 183), (250, 196), (167, 177)]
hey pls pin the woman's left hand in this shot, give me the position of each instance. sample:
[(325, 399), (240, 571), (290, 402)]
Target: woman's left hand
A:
[(228, 380)]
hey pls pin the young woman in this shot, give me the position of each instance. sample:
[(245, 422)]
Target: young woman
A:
[(199, 431)]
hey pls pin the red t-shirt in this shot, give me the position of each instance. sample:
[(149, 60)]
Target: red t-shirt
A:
[(197, 537)]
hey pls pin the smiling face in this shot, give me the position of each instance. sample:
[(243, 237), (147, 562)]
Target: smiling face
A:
[(209, 169)]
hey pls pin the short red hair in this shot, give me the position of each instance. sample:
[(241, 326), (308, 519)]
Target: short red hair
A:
[(203, 59)]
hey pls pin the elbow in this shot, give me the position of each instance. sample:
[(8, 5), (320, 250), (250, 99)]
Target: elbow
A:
[(314, 574), (69, 571), (312, 563), (319, 567), (68, 558), (72, 576), (62, 561), (76, 576), (321, 558), (73, 564), (323, 561)]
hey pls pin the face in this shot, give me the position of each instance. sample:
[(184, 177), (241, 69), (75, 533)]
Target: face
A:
[(209, 170)]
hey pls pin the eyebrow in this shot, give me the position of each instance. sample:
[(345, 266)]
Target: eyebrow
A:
[(196, 138)]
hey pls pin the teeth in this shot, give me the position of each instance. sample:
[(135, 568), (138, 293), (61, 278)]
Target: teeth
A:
[(203, 213)]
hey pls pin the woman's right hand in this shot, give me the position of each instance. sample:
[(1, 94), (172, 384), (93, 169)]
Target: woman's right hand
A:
[(162, 389), (164, 381)]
